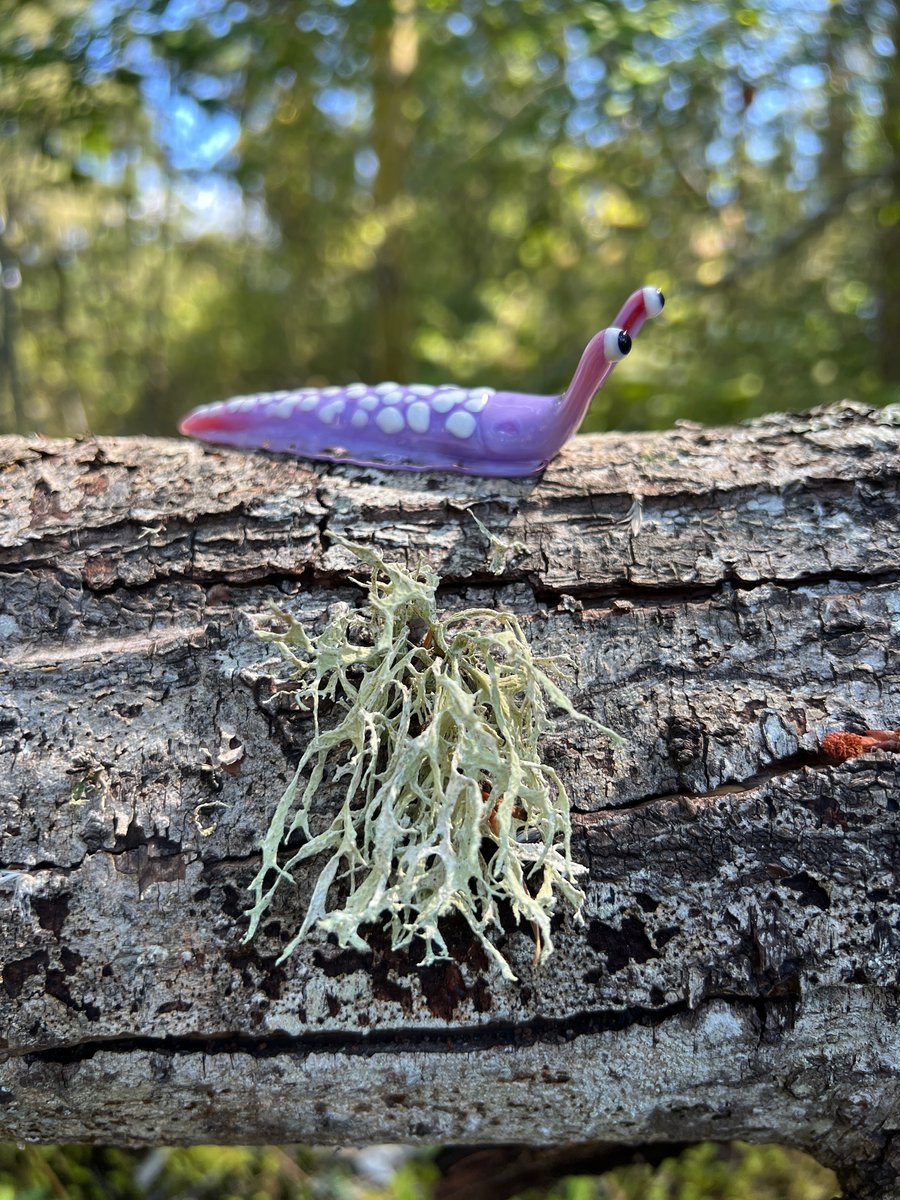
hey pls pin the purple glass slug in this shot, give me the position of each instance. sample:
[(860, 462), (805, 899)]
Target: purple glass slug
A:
[(419, 427)]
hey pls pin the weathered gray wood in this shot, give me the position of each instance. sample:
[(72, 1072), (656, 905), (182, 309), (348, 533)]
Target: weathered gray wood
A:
[(737, 974)]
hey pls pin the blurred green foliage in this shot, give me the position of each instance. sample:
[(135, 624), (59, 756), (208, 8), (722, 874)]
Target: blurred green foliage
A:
[(706, 1172), (200, 199)]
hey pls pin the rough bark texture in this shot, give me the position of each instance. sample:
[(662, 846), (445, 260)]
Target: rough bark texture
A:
[(737, 973)]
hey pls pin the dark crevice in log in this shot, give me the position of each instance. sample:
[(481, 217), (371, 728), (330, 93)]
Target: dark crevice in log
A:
[(802, 760), (594, 595), (442, 1040), (687, 593)]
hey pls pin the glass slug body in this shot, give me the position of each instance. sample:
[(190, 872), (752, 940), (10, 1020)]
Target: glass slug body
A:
[(423, 427)]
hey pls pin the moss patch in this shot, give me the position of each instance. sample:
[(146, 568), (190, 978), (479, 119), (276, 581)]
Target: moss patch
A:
[(432, 731)]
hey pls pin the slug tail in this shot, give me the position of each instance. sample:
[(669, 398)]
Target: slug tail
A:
[(229, 423), (206, 422)]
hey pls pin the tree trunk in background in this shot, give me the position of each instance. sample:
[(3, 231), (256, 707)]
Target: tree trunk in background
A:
[(737, 972), (9, 326), (9, 358), (887, 240), (833, 161), (71, 409), (394, 54)]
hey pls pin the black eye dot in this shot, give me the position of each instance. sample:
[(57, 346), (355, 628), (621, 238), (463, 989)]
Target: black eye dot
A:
[(662, 299), (624, 342)]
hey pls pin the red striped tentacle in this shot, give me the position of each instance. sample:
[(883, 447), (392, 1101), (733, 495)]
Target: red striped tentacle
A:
[(641, 306)]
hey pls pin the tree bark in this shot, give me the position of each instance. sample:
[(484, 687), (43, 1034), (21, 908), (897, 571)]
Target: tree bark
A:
[(737, 972)]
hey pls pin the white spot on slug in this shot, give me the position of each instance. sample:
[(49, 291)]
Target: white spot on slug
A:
[(359, 418), (331, 391), (283, 409), (307, 402), (389, 420), (460, 424), (331, 411), (420, 389), (477, 403), (447, 399), (382, 388), (355, 390), (368, 402), (392, 397), (418, 415)]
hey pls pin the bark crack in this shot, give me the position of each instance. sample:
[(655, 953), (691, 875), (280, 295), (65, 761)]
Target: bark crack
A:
[(662, 593), (435, 1040), (777, 769)]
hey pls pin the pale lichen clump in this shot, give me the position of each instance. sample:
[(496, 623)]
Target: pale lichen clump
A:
[(432, 732)]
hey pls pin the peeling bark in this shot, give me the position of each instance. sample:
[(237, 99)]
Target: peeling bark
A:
[(737, 972)]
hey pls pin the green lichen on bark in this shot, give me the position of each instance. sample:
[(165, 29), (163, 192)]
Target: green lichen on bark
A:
[(433, 729)]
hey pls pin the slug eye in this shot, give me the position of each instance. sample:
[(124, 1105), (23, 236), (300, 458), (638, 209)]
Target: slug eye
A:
[(654, 301), (616, 344)]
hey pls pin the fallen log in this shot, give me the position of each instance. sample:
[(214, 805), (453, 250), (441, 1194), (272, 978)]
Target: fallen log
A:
[(726, 598)]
